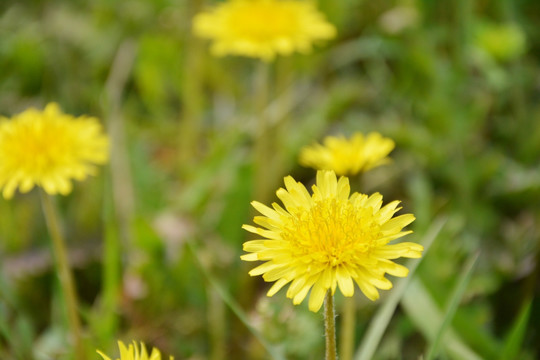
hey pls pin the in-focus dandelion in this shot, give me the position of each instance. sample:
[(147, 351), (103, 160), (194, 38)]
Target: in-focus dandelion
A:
[(327, 240)]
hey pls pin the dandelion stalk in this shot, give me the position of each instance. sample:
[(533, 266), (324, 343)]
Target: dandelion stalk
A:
[(262, 138), (330, 327), (347, 328), (64, 273)]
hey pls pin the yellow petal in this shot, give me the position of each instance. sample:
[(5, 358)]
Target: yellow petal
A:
[(265, 210), (125, 353), (27, 184), (277, 286), (276, 273), (406, 249), (263, 268), (254, 245), (369, 290), (345, 282), (300, 295), (105, 357), (316, 297), (250, 257), (343, 188), (393, 269), (265, 233), (397, 223)]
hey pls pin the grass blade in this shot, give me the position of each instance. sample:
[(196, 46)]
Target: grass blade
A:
[(453, 303), (274, 352), (515, 337), (425, 314), (381, 319)]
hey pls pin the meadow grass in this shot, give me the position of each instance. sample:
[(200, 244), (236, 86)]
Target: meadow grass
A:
[(155, 239)]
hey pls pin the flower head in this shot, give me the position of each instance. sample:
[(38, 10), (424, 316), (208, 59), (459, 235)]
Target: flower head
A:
[(348, 156), (49, 148), (327, 240), (262, 28), (133, 352)]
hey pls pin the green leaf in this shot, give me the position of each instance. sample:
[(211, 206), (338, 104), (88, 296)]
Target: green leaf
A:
[(425, 314), (514, 339), (380, 321), (453, 303), (228, 299)]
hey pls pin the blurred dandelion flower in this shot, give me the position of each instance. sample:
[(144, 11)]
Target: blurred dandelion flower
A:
[(348, 156), (49, 148), (134, 353), (262, 28), (328, 239)]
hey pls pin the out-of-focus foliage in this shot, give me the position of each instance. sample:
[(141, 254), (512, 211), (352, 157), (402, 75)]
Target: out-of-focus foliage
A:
[(454, 83)]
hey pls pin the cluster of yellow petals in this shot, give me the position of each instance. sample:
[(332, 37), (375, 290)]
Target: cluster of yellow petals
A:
[(133, 352), (49, 148), (348, 156), (327, 240), (262, 28)]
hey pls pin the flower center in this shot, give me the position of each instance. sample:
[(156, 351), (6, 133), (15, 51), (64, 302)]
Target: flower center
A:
[(40, 147), (332, 232), (263, 21)]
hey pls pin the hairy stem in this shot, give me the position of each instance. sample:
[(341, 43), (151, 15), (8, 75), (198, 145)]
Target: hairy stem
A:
[(330, 327)]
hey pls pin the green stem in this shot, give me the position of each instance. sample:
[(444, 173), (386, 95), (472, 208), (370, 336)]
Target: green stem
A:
[(347, 329), (191, 97), (330, 327), (64, 273), (283, 104), (263, 164)]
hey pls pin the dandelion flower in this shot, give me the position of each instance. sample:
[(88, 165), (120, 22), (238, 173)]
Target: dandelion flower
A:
[(134, 353), (262, 28), (327, 240), (348, 156), (48, 148)]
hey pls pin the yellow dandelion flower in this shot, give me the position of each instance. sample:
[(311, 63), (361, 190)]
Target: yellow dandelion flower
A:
[(262, 28), (49, 148), (133, 352), (348, 156), (326, 240)]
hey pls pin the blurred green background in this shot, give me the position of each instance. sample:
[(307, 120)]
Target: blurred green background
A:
[(155, 239)]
